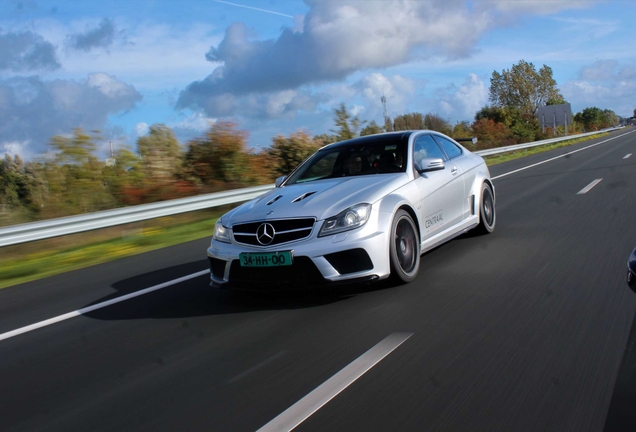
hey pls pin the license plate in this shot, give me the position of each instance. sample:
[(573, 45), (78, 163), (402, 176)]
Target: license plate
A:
[(269, 259)]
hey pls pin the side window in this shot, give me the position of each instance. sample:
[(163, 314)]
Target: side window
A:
[(451, 149), (426, 147)]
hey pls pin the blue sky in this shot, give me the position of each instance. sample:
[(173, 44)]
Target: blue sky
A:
[(276, 66)]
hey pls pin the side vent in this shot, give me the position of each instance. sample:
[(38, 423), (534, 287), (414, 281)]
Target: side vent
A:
[(473, 210), (303, 196), (274, 200)]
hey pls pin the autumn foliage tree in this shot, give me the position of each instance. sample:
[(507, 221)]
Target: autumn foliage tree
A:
[(219, 157), (161, 153), (75, 178), (523, 87), (490, 134), (288, 152)]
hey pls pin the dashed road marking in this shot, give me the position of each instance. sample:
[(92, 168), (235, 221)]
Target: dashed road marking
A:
[(587, 188), (304, 408)]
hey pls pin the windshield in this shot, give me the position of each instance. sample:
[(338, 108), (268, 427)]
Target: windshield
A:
[(355, 159)]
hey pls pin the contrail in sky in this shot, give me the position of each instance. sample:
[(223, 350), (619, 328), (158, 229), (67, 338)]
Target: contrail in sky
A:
[(254, 8)]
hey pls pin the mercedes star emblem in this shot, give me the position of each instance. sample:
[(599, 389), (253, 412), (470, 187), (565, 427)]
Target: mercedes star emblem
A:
[(265, 234)]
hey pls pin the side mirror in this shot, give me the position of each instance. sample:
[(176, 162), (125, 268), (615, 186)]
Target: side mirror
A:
[(280, 180), (430, 164)]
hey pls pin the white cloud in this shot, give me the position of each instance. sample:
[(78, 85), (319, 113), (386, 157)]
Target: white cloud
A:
[(197, 122), (21, 148), (542, 7), (142, 129), (340, 37), (25, 51), (460, 103), (33, 110), (397, 89), (100, 37), (605, 84)]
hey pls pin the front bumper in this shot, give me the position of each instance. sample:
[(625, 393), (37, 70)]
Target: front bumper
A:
[(358, 255)]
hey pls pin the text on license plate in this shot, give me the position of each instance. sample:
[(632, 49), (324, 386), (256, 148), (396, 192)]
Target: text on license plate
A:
[(270, 259)]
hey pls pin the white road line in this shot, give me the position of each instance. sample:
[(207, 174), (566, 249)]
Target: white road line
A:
[(301, 410), (627, 156), (554, 158), (587, 188), (87, 309)]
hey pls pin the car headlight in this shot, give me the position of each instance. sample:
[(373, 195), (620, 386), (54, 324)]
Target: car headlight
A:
[(222, 233), (351, 218)]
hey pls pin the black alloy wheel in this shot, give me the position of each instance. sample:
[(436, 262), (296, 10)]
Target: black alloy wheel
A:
[(404, 248), (487, 213)]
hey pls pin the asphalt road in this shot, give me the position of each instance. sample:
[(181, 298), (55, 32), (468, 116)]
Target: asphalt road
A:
[(525, 329)]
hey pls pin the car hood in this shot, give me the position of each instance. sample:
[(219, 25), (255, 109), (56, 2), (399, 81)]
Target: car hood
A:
[(321, 199)]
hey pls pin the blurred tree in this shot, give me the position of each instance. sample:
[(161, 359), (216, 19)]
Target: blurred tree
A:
[(490, 134), (75, 177), (436, 123), (462, 130), (287, 153), (592, 118), (493, 113), (347, 127), (523, 126), (557, 100), (13, 184), (388, 124), (324, 139), (219, 157), (261, 168), (161, 154), (412, 121), (524, 88), (128, 174), (371, 129), (611, 119)]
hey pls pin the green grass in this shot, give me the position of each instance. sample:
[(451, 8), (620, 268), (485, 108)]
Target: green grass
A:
[(30, 266), (19, 264), (505, 157)]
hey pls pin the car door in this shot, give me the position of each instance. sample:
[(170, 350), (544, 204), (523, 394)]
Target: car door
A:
[(441, 191), (457, 158)]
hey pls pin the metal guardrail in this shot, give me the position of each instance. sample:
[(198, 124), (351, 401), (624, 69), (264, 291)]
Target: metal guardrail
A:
[(498, 150), (23, 233), (28, 232)]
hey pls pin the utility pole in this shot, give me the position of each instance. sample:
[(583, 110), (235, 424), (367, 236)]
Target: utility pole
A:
[(387, 120)]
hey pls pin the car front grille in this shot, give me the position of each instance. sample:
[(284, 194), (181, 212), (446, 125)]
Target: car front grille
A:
[(301, 274), (282, 231)]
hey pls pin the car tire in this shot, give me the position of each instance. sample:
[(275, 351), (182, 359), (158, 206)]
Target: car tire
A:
[(404, 248), (631, 279), (487, 213)]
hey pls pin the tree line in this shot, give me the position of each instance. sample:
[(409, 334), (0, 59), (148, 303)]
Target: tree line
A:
[(73, 180)]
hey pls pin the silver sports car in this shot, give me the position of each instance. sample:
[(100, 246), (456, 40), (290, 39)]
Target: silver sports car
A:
[(358, 210)]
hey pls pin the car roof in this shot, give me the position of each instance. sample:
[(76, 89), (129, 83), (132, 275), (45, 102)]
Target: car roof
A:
[(389, 137)]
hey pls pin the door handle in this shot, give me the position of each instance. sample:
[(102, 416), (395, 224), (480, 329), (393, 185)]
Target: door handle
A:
[(454, 171)]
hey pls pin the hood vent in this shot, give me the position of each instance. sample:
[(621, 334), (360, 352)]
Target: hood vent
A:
[(274, 200), (303, 196)]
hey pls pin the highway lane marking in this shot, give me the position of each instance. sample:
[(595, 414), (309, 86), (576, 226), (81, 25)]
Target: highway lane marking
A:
[(627, 156), (101, 305), (557, 157), (587, 188), (304, 408)]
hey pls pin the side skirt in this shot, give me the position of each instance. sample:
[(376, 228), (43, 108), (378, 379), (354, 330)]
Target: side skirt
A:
[(449, 234)]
